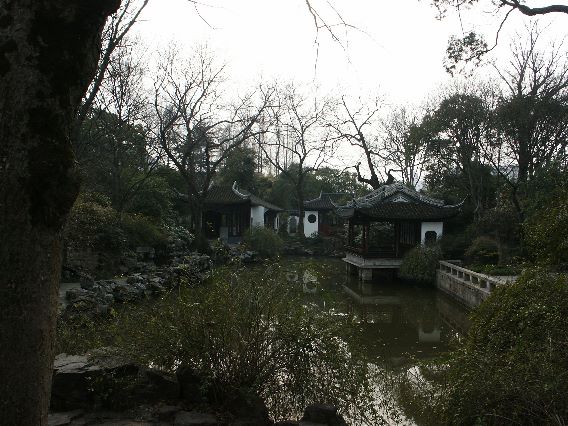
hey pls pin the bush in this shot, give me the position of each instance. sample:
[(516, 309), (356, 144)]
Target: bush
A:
[(420, 264), (454, 245), (264, 241), (483, 250), (546, 234), (513, 367), (142, 231), (94, 224), (499, 270), (248, 329), (200, 244)]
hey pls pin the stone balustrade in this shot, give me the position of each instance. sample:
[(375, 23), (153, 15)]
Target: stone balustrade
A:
[(468, 287)]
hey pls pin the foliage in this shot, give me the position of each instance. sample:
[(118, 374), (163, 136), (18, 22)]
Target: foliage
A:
[(220, 252), (264, 241), (77, 335), (420, 264), (200, 244), (483, 250), (546, 233), (94, 225), (498, 270), (153, 199), (240, 166), (142, 231), (250, 329), (513, 366), (454, 245)]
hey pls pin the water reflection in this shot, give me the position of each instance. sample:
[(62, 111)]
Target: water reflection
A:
[(397, 322)]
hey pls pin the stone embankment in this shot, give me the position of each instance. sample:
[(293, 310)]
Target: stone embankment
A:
[(103, 389), (467, 287)]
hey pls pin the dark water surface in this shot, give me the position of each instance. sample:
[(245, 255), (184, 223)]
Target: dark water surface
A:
[(399, 323)]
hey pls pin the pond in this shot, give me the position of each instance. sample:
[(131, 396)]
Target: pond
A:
[(398, 324)]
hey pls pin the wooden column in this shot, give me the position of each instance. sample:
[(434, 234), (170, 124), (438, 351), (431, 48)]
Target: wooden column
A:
[(365, 238), (397, 240)]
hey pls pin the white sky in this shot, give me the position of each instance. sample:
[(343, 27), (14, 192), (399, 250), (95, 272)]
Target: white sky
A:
[(396, 52)]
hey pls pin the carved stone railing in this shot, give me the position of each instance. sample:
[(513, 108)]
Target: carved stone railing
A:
[(481, 281), (467, 286)]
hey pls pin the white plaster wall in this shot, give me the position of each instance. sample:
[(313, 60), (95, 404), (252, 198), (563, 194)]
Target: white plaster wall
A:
[(437, 227), (310, 228), (257, 216)]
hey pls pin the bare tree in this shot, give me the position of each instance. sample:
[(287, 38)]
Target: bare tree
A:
[(404, 145), (471, 46), (300, 142), (356, 126), (195, 126), (113, 37), (531, 117)]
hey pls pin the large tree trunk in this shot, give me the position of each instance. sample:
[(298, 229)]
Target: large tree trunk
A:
[(48, 54)]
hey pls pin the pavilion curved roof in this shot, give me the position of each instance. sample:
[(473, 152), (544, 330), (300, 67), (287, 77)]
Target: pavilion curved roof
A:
[(324, 201), (397, 202), (224, 195)]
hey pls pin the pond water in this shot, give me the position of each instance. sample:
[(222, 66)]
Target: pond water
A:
[(398, 324)]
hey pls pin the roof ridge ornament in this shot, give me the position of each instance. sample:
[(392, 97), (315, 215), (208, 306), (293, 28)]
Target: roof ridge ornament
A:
[(235, 189)]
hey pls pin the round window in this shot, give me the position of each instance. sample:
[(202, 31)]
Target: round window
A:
[(312, 218)]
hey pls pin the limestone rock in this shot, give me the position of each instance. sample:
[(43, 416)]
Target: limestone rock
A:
[(322, 414), (192, 418)]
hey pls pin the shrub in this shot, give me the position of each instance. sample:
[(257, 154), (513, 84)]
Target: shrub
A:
[(499, 270), (454, 245), (513, 366), (142, 231), (220, 252), (483, 250), (93, 225), (264, 241), (546, 234), (248, 329), (420, 264), (200, 244)]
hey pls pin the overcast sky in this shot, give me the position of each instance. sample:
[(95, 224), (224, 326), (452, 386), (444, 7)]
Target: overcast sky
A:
[(396, 50)]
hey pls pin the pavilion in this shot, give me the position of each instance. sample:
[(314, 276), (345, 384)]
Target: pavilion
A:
[(384, 224), (230, 211)]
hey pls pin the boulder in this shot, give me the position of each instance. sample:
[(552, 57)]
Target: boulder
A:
[(192, 418), (62, 419), (247, 407), (190, 385), (322, 414), (86, 281), (163, 385), (127, 293), (71, 383), (76, 378), (166, 412)]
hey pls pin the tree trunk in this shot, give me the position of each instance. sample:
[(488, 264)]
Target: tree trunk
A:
[(48, 54)]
